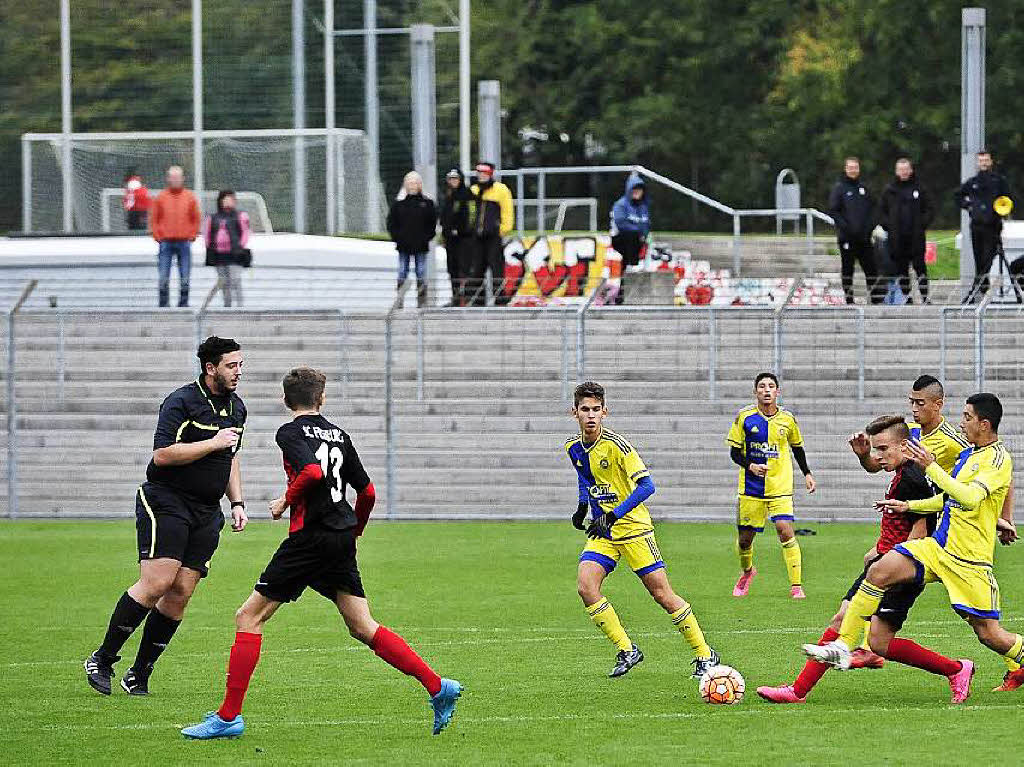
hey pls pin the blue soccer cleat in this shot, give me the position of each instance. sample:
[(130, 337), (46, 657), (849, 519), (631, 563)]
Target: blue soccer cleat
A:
[(444, 703), (215, 727)]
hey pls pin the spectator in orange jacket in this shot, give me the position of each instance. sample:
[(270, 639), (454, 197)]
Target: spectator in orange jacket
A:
[(135, 201), (175, 221)]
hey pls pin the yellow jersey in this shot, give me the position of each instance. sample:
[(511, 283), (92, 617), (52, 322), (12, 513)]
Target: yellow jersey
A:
[(608, 471), (970, 534), (945, 442), (766, 440)]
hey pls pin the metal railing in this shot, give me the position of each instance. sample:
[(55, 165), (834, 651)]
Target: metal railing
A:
[(12, 402), (976, 314)]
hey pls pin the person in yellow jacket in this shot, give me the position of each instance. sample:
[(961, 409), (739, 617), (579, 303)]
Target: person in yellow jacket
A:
[(492, 221)]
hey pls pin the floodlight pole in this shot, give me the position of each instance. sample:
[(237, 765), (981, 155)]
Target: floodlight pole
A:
[(67, 188), (972, 120), (299, 112), (465, 138), (371, 96), (329, 109), (198, 181), (489, 106)]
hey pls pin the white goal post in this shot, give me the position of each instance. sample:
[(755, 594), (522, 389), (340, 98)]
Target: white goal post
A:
[(112, 208), (286, 169)]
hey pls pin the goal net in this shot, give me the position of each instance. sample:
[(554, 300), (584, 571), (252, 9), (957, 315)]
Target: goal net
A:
[(283, 174)]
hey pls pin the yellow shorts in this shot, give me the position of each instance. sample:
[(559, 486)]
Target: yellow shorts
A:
[(751, 512), (640, 551), (972, 588)]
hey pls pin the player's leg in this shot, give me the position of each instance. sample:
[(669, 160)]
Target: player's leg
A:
[(813, 670), (395, 651), (891, 569), (791, 555), (681, 613), (991, 634), (155, 577), (598, 559), (750, 517), (227, 721), (883, 640)]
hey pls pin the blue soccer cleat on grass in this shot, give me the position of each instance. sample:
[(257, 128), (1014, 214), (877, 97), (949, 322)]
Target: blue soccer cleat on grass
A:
[(215, 727), (444, 703)]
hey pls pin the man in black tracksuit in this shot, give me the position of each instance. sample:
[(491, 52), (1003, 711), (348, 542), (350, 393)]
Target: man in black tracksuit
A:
[(977, 196), (853, 210), (457, 233), (906, 210)]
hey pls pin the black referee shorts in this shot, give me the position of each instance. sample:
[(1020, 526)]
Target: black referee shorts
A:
[(169, 525), (896, 602), (324, 560)]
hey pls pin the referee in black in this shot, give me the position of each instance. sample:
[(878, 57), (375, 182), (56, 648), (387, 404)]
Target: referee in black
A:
[(178, 516)]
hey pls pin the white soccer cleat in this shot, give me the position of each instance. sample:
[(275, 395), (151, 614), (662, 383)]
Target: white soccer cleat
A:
[(834, 653)]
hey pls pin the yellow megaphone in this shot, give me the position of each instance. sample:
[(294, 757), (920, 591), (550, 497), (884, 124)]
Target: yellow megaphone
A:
[(1003, 205)]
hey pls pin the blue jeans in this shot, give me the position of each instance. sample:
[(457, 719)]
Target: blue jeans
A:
[(168, 250), (421, 266)]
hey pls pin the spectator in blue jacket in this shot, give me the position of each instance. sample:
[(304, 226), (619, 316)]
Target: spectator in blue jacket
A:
[(631, 224)]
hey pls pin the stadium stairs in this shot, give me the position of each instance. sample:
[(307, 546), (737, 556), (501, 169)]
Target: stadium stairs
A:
[(486, 439)]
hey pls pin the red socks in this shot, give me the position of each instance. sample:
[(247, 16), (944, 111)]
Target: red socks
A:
[(391, 648), (813, 671), (245, 654), (912, 654)]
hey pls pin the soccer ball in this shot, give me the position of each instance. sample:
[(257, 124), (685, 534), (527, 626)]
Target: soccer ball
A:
[(722, 685)]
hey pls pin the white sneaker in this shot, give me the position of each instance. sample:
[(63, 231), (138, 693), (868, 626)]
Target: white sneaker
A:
[(835, 653)]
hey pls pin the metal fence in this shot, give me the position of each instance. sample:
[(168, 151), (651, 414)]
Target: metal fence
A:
[(83, 385)]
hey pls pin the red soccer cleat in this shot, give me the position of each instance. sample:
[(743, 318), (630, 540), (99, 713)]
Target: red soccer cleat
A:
[(960, 682), (1011, 681), (783, 694), (743, 584), (861, 658)]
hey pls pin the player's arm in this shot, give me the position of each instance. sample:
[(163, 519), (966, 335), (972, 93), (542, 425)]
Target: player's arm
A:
[(167, 451), (307, 470), (796, 444), (238, 516), (1005, 526), (366, 495), (861, 446), (580, 515)]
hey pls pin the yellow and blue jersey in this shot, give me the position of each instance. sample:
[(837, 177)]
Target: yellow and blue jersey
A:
[(766, 440), (970, 534), (608, 471), (945, 442)]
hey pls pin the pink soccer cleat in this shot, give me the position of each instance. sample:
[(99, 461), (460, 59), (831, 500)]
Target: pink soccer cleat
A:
[(797, 592), (960, 682), (743, 584), (861, 658), (783, 694)]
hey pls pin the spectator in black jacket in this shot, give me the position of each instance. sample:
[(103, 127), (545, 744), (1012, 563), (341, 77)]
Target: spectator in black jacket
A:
[(853, 210), (977, 196), (457, 233), (412, 222), (906, 211)]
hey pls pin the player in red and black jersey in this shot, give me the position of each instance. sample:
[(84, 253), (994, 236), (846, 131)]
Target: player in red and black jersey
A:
[(888, 435), (319, 552)]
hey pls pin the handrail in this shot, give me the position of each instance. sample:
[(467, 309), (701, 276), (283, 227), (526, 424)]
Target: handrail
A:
[(12, 402), (777, 325), (581, 329)]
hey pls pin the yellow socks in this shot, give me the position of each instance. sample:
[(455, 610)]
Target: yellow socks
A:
[(865, 644), (791, 553), (1015, 655), (684, 620), (603, 614), (746, 558), (863, 605)]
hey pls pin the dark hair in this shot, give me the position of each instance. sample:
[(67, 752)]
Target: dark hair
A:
[(213, 348), (221, 195), (303, 388), (886, 422), (925, 381), (588, 389), (988, 408), (984, 150), (766, 374)]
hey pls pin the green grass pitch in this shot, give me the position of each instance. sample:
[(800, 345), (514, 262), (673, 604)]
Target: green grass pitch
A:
[(493, 605)]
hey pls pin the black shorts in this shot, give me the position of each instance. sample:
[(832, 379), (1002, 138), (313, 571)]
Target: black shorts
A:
[(324, 560), (896, 602), (171, 525)]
